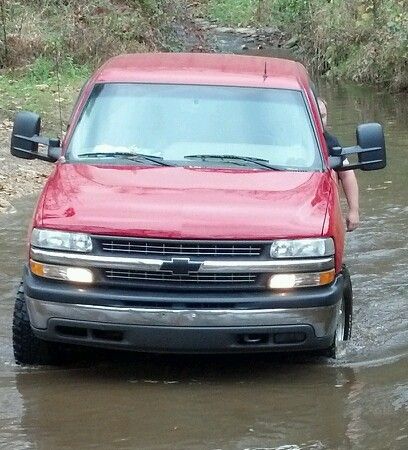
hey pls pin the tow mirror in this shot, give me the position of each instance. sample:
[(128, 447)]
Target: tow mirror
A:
[(370, 150), (25, 124), (371, 135), (25, 138)]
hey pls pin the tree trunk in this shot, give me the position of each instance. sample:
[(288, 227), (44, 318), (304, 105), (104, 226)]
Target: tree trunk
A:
[(4, 59)]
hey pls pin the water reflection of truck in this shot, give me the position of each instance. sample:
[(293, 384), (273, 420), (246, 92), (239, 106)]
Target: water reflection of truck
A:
[(193, 207), (181, 403)]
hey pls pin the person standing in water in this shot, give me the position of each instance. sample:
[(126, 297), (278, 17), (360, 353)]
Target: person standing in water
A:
[(348, 178)]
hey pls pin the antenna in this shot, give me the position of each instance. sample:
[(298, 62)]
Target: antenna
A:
[(265, 75), (57, 65)]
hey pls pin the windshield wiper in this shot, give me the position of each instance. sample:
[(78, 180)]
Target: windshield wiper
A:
[(126, 155), (257, 161)]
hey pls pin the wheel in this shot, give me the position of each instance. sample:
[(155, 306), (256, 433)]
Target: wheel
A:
[(28, 349), (344, 318)]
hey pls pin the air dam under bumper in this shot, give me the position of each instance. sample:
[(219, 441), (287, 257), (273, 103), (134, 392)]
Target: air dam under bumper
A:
[(190, 330)]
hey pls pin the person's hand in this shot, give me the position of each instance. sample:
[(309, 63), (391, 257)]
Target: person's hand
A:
[(352, 220)]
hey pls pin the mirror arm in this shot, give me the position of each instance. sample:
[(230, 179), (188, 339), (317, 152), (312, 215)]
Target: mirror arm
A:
[(54, 153), (337, 153), (356, 166), (50, 143), (355, 149), (40, 140), (335, 162), (37, 155)]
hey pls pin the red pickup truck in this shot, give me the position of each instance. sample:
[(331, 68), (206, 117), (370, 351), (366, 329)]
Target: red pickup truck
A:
[(193, 207)]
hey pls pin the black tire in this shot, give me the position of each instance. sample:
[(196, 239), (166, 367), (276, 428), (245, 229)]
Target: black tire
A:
[(28, 349), (332, 351)]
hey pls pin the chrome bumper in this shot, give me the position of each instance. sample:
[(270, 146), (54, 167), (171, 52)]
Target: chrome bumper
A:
[(322, 319)]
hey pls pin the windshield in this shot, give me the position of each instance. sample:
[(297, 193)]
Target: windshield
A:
[(178, 122)]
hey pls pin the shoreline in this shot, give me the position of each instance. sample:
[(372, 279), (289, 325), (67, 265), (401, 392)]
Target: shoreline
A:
[(18, 177)]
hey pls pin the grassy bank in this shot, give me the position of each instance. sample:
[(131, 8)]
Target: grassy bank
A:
[(361, 40), (37, 89), (39, 38), (86, 32)]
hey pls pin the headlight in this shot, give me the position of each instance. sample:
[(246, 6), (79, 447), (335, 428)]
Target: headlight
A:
[(61, 240), (302, 248)]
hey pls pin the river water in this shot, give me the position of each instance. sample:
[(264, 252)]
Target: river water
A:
[(127, 401)]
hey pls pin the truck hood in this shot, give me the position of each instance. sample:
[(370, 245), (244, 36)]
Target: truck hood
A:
[(184, 202)]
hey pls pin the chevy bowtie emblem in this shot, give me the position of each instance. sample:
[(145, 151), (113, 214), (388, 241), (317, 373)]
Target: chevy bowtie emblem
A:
[(180, 266)]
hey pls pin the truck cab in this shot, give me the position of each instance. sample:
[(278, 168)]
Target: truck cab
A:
[(193, 207)]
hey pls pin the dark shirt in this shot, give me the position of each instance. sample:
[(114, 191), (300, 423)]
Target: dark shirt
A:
[(331, 140)]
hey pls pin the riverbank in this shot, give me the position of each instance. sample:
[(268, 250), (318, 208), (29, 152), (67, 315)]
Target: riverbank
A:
[(18, 177), (364, 42)]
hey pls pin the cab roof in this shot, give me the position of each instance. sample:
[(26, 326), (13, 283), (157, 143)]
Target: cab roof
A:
[(203, 68)]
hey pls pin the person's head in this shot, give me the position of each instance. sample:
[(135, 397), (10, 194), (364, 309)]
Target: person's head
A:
[(323, 110)]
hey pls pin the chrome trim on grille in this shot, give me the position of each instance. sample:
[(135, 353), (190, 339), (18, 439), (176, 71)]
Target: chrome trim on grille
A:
[(114, 262), (275, 266), (151, 264), (185, 248)]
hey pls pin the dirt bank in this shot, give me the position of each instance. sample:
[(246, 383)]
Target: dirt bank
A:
[(18, 177)]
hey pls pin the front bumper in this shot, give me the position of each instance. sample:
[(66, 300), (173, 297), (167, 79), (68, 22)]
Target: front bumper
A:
[(113, 318)]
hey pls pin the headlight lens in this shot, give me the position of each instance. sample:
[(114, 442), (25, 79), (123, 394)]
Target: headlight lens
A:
[(61, 240), (302, 248)]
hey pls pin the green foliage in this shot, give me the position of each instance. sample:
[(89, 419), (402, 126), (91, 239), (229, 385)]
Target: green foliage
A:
[(289, 11), (36, 89), (233, 12), (86, 32), (40, 39), (48, 48), (255, 12), (365, 40), (45, 70), (362, 40)]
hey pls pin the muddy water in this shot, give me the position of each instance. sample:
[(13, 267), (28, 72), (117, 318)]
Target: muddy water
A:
[(126, 401)]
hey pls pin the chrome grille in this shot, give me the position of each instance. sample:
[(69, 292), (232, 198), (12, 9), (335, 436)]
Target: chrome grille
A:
[(180, 248), (134, 275)]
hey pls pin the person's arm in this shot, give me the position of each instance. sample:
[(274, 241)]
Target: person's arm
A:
[(350, 188), (349, 184)]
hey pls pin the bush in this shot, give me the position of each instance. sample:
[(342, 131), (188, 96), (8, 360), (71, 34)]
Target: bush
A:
[(365, 40), (87, 32), (362, 40), (233, 12)]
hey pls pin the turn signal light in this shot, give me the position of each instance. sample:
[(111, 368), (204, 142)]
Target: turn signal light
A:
[(327, 277), (294, 280), (74, 274), (37, 268)]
